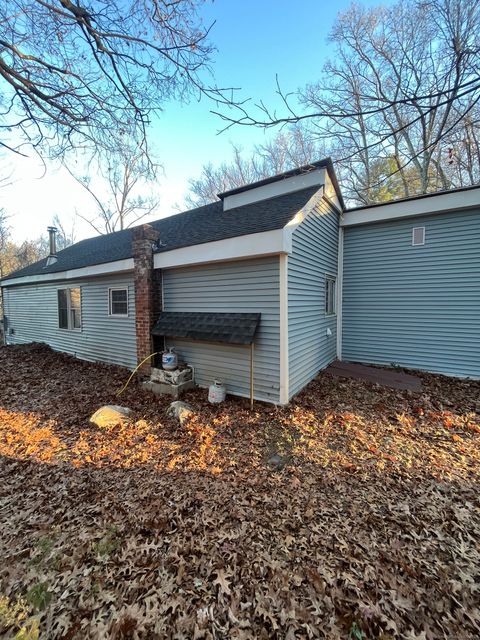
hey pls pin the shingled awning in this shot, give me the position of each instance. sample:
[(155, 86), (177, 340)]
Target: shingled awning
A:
[(233, 328)]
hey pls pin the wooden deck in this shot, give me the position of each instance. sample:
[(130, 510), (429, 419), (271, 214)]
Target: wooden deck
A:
[(386, 377)]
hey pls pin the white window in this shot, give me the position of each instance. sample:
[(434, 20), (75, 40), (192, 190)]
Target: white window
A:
[(69, 309), (118, 302), (418, 236), (330, 294)]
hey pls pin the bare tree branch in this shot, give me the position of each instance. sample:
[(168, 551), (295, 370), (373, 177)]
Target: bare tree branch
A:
[(74, 73), (123, 196), (402, 80), (288, 149)]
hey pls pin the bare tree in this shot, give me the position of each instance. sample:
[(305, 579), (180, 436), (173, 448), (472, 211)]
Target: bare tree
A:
[(124, 194), (463, 151), (403, 79), (384, 55), (16, 256), (75, 72), (288, 149), (4, 237), (66, 236)]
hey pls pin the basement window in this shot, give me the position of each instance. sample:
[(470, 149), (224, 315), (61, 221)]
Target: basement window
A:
[(69, 309), (118, 302), (330, 295), (418, 236)]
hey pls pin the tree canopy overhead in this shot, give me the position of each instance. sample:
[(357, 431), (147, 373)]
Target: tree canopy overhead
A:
[(79, 72), (402, 87)]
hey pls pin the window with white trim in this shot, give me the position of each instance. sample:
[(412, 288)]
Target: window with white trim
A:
[(418, 236), (118, 302), (69, 309), (330, 295)]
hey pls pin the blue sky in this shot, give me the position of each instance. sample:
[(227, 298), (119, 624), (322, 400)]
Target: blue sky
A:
[(255, 40)]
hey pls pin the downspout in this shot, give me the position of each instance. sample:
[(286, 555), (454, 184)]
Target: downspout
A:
[(251, 376), (339, 300)]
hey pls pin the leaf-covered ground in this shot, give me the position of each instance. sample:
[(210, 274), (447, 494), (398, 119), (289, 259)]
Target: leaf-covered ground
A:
[(370, 528)]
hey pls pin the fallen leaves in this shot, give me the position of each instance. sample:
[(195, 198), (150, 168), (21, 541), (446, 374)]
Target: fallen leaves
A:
[(152, 530), (222, 581)]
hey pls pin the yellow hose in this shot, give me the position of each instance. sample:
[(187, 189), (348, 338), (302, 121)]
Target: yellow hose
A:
[(135, 371)]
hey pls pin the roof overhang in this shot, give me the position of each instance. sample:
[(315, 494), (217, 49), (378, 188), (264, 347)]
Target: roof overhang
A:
[(118, 266), (230, 328), (253, 245), (429, 204)]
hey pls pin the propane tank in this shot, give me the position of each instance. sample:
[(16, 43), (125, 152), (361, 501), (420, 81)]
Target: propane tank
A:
[(170, 359), (216, 392)]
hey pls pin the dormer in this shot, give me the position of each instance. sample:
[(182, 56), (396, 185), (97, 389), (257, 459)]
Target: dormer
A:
[(315, 174)]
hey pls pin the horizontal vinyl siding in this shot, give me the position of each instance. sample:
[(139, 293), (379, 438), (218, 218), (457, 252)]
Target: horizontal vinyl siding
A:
[(416, 307), (242, 286), (314, 254), (32, 311)]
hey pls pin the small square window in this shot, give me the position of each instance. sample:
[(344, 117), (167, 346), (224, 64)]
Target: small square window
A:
[(418, 236), (330, 295), (118, 302)]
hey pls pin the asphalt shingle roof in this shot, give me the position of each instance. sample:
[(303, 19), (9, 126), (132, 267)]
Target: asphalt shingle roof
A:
[(197, 226), (233, 328)]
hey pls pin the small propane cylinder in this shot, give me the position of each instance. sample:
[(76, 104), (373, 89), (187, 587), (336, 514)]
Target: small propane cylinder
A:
[(216, 392), (170, 359)]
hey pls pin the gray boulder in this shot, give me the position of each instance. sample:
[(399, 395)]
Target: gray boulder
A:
[(110, 416), (180, 410)]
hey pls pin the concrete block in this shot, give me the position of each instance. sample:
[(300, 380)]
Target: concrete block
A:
[(174, 390)]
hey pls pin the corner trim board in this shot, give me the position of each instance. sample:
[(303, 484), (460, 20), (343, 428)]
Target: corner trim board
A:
[(299, 217), (284, 372), (340, 293)]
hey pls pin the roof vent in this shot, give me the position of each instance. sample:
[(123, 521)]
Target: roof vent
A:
[(418, 236)]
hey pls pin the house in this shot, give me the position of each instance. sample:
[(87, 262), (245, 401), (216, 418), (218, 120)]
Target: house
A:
[(267, 286)]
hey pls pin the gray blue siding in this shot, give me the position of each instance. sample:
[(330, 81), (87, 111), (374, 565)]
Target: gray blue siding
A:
[(242, 286), (32, 313), (417, 307), (315, 254)]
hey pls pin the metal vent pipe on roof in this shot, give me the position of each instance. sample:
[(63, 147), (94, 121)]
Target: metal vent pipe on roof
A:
[(52, 236)]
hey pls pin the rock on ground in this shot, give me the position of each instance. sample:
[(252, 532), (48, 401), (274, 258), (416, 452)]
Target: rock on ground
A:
[(110, 416), (181, 410)]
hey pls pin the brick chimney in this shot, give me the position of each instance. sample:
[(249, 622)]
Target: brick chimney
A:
[(146, 298)]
